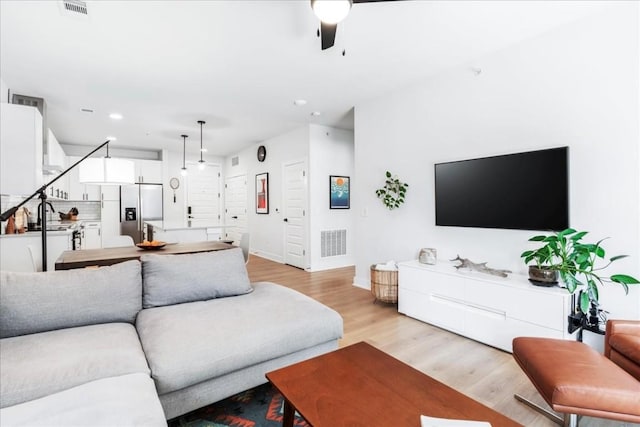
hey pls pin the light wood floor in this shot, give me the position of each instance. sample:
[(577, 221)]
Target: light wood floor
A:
[(484, 373)]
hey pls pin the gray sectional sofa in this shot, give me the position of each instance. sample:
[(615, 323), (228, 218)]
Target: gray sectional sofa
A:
[(139, 343)]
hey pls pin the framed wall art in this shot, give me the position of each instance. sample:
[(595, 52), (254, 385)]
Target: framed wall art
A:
[(339, 192), (262, 193)]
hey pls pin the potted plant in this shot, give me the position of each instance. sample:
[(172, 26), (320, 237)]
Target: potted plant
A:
[(393, 192), (575, 262)]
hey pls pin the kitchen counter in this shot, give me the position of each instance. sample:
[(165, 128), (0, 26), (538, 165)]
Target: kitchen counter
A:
[(181, 225), (54, 228), (37, 233), (183, 232)]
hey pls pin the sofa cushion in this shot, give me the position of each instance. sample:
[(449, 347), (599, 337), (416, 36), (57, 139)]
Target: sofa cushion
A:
[(127, 400), (38, 302), (33, 366), (189, 343), (627, 345), (174, 279)]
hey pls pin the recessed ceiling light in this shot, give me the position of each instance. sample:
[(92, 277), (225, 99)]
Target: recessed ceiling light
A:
[(115, 116), (315, 113), (300, 102), (112, 138)]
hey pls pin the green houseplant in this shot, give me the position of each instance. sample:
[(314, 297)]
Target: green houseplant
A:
[(393, 192), (575, 262)]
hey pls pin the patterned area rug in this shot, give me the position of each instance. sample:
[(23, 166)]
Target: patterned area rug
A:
[(262, 406)]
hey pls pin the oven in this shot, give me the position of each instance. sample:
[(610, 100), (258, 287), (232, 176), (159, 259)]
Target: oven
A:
[(76, 240)]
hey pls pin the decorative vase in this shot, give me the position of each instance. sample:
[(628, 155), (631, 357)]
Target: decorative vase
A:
[(542, 276), (428, 256)]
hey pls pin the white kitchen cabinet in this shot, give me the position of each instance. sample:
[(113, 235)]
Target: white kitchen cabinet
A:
[(486, 308), (78, 191), (110, 215), (91, 236), (53, 165), (148, 171), (110, 192), (20, 149)]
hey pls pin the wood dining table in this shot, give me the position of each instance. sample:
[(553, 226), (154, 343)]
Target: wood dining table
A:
[(108, 256)]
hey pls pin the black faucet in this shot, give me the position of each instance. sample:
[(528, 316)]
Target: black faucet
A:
[(39, 219)]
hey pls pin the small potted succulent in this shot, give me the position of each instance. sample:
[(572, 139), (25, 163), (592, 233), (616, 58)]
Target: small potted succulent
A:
[(575, 262)]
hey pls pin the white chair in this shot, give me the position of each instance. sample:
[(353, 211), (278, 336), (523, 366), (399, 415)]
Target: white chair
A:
[(36, 257), (244, 245), (117, 241)]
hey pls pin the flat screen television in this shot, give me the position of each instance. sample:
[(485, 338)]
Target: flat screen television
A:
[(522, 191)]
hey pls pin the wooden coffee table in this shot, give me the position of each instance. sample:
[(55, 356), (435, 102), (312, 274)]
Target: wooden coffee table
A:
[(360, 385)]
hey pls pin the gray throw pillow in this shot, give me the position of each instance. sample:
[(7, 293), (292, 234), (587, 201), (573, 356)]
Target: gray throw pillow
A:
[(45, 301), (174, 279)]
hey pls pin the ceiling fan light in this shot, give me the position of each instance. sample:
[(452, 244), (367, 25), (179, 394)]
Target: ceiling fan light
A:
[(331, 11)]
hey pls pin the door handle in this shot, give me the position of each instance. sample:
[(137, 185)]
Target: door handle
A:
[(286, 220)]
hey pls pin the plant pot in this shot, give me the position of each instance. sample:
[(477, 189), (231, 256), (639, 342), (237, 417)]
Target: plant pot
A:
[(542, 276)]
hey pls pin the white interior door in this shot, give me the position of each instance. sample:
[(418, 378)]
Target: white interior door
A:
[(295, 205), (235, 200), (203, 195)]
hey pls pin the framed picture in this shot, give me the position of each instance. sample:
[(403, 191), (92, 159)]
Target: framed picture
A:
[(262, 193), (339, 192)]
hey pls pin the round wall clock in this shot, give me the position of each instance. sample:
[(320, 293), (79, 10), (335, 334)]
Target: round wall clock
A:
[(262, 153)]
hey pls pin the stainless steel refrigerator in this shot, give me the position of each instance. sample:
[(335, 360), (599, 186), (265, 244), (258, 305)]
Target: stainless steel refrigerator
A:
[(139, 203)]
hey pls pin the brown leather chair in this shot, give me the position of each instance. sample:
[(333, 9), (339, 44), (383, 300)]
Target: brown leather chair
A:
[(574, 379)]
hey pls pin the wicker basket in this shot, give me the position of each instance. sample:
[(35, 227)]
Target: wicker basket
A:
[(384, 285)]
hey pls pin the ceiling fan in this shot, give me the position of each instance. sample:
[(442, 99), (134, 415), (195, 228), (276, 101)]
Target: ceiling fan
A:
[(330, 13)]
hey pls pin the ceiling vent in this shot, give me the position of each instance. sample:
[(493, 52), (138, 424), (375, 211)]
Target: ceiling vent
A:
[(74, 8)]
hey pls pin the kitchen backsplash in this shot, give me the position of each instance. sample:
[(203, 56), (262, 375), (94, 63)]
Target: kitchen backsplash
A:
[(87, 210)]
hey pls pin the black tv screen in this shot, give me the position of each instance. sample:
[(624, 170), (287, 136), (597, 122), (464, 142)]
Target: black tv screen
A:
[(523, 191)]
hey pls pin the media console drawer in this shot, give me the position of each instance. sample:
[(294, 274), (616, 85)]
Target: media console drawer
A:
[(478, 306)]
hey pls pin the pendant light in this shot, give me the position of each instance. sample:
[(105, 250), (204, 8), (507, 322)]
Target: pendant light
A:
[(183, 171), (201, 162)]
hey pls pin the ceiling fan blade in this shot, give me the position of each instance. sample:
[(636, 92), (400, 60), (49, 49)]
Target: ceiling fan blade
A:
[(327, 34)]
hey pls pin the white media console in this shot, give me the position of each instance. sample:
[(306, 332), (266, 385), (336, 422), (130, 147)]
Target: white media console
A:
[(485, 308)]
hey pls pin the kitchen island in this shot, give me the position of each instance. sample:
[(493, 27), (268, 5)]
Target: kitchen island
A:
[(184, 231)]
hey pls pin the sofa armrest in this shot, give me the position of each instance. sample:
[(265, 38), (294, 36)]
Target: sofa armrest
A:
[(628, 327)]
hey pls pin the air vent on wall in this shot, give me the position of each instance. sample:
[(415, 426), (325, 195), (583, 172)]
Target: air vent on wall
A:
[(333, 243), (41, 105), (75, 8), (235, 161)]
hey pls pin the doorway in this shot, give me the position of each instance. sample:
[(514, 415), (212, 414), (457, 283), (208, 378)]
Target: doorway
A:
[(235, 200), (295, 206), (203, 195)]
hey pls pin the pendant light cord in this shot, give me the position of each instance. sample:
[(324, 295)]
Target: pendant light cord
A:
[(184, 145), (201, 123)]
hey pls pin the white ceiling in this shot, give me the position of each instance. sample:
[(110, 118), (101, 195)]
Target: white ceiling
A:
[(239, 65)]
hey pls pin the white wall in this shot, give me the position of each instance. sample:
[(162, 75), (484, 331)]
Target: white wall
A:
[(4, 91), (326, 151), (267, 230), (331, 153), (576, 85)]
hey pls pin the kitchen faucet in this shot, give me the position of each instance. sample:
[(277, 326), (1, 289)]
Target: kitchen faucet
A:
[(52, 211)]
